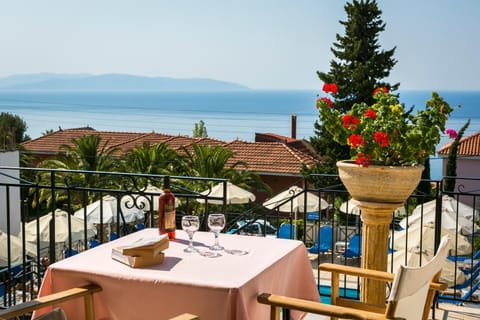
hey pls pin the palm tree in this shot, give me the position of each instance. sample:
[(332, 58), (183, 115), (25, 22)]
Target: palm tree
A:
[(250, 180), (156, 159), (147, 159), (86, 154), (210, 161), (215, 162)]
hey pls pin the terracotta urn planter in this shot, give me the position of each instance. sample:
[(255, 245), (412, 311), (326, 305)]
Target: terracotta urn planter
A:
[(377, 191), (385, 184)]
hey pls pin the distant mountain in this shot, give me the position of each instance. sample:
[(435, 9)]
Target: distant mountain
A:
[(111, 82), (25, 79)]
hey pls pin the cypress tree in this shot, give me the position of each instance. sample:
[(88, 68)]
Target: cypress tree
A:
[(451, 168), (358, 69), (199, 130)]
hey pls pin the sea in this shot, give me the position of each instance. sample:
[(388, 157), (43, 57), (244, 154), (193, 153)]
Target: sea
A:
[(227, 115)]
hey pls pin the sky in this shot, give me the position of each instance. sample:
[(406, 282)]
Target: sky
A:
[(262, 44)]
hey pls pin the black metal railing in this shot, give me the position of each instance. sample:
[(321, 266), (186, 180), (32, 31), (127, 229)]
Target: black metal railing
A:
[(462, 222), (27, 194), (407, 238)]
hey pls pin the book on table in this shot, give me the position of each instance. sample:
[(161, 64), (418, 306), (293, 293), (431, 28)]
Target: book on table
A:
[(142, 252), (136, 262)]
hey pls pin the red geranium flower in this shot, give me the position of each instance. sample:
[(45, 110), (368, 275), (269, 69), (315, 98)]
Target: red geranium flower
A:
[(350, 122), (382, 132), (381, 138), (369, 113), (330, 88), (355, 139), (363, 160), (380, 89), (327, 101)]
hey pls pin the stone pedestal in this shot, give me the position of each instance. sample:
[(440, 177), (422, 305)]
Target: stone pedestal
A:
[(378, 191), (376, 220)]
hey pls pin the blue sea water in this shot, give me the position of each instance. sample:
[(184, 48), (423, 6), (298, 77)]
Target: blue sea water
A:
[(227, 115)]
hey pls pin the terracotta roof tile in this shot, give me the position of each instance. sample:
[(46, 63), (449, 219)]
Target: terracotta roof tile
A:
[(468, 146), (272, 137), (184, 141), (272, 157), (263, 157), (151, 138), (51, 143)]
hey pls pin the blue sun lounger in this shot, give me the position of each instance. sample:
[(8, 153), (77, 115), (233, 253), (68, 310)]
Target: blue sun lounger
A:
[(324, 241)]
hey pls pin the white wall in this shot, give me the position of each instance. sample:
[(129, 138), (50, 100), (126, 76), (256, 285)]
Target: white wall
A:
[(10, 159), (467, 168)]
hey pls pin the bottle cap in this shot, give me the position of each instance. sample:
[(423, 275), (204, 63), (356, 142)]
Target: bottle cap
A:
[(166, 182)]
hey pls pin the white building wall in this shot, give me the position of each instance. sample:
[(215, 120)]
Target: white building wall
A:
[(467, 168), (10, 159)]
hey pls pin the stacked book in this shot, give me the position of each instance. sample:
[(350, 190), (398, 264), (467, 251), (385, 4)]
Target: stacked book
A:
[(143, 252)]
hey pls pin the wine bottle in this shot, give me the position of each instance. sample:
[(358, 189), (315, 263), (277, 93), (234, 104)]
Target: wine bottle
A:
[(166, 211)]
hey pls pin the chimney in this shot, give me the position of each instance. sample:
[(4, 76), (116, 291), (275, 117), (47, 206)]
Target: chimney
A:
[(294, 126)]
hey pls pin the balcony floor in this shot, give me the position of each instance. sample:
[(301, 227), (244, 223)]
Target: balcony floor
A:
[(445, 311)]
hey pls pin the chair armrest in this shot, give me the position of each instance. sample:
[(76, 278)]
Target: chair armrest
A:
[(277, 301), (370, 274), (185, 316), (49, 300), (355, 271)]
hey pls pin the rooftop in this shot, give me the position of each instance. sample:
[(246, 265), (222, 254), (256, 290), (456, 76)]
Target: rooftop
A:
[(468, 146), (270, 154)]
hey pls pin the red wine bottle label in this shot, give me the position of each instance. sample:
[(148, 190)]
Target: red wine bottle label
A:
[(170, 216)]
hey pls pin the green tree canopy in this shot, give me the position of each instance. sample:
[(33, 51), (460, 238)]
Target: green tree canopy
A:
[(156, 159), (210, 161), (86, 154), (215, 162), (199, 130), (358, 68), (360, 64), (12, 131), (451, 168)]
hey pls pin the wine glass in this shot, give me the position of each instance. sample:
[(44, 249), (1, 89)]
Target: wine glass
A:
[(216, 222), (190, 224)]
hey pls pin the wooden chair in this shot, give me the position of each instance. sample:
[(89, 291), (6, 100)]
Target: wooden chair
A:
[(86, 292), (411, 295), (185, 316)]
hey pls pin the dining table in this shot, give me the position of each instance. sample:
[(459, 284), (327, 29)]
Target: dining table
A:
[(222, 286)]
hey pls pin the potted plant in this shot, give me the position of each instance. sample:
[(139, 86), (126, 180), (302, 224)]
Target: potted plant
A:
[(384, 137), (388, 147), (385, 133)]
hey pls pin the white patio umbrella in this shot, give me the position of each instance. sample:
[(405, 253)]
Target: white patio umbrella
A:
[(61, 228), (351, 207), (415, 236), (15, 249), (466, 215), (314, 203), (450, 274), (109, 205), (235, 194), (153, 196)]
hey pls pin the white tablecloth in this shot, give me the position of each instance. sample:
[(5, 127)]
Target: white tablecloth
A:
[(223, 288)]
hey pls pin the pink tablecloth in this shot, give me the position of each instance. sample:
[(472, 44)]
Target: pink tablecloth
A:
[(223, 288)]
